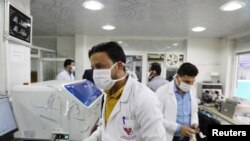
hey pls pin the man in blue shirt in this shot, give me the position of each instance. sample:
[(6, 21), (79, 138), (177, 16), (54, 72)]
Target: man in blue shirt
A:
[(179, 105)]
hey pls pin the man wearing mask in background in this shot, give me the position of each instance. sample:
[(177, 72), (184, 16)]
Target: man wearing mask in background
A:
[(156, 80), (179, 105), (67, 73), (131, 110)]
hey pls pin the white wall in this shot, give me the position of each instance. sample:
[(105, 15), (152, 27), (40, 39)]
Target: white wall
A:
[(89, 42), (79, 56), (65, 49), (242, 44), (47, 42), (66, 46), (227, 66), (23, 4), (2, 72), (19, 63), (205, 54), (63, 45), (18, 72)]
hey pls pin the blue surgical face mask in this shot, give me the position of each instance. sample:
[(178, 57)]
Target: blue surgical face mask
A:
[(102, 78)]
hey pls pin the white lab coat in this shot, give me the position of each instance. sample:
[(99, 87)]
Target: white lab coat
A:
[(64, 75), (168, 106), (141, 108)]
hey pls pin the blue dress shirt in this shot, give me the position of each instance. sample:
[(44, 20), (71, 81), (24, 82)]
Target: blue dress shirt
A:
[(183, 109)]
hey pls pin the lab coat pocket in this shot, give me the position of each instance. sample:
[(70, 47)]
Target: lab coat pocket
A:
[(128, 130)]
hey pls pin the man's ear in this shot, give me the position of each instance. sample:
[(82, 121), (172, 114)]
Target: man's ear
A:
[(120, 65)]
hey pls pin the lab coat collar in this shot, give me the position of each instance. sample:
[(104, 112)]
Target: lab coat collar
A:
[(171, 87), (128, 89)]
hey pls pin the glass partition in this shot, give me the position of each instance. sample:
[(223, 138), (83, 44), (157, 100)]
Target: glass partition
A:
[(44, 64), (49, 70), (242, 87)]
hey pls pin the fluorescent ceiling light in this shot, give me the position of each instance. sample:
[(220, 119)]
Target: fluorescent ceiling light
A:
[(93, 5), (232, 5), (198, 29), (108, 27)]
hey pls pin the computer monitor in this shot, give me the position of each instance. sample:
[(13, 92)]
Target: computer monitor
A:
[(7, 121)]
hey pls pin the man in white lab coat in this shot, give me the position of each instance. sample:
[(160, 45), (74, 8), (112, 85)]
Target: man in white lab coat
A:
[(67, 73), (131, 110), (179, 105)]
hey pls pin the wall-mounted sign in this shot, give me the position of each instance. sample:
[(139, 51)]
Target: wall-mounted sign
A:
[(19, 24)]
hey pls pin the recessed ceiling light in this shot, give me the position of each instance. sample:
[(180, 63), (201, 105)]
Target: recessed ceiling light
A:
[(175, 44), (93, 5), (119, 42), (232, 5), (108, 27), (198, 29)]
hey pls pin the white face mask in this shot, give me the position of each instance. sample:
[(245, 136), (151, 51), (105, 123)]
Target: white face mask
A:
[(149, 74), (73, 68), (184, 87), (102, 78)]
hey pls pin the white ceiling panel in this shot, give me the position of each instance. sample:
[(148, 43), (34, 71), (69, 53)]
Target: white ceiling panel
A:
[(167, 18)]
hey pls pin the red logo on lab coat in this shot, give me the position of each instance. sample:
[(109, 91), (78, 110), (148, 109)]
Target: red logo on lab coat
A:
[(129, 131)]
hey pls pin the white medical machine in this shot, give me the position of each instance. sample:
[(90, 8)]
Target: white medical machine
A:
[(46, 108)]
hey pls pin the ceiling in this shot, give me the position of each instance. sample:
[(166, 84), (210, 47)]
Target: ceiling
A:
[(166, 18)]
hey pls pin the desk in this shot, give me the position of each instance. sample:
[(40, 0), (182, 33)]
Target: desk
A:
[(221, 117)]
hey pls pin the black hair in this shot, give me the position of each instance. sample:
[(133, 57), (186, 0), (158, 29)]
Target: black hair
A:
[(187, 69), (113, 50), (156, 67), (68, 62)]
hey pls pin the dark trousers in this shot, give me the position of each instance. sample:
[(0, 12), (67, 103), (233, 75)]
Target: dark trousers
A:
[(176, 138)]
